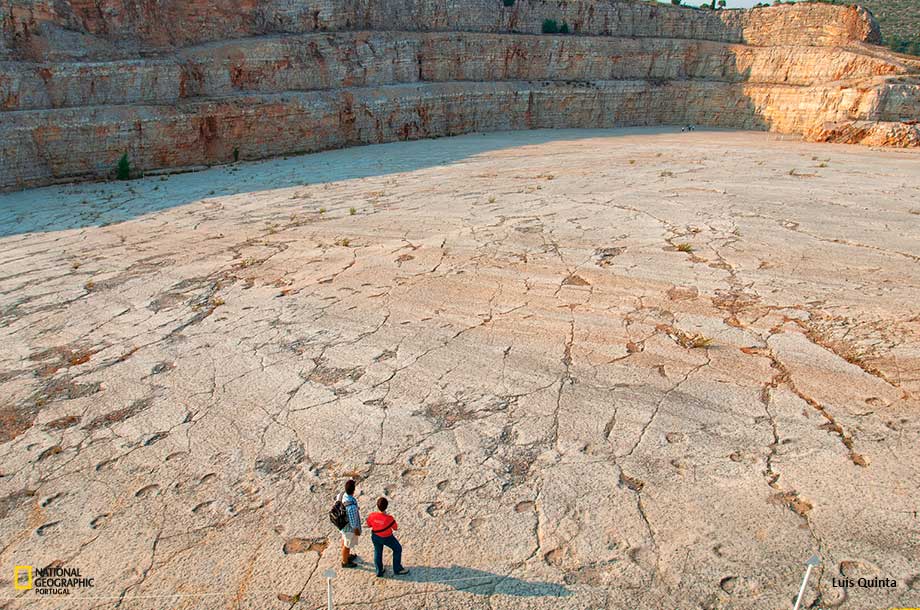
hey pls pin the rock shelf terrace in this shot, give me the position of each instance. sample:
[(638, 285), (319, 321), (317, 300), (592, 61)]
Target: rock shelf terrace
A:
[(180, 85)]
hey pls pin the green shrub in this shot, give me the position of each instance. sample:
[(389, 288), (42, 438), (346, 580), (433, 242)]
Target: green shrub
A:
[(123, 169), (508, 2), (550, 26), (564, 28), (901, 44), (236, 154)]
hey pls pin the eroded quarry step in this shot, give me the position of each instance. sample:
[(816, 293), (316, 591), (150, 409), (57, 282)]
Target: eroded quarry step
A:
[(360, 59), (184, 86)]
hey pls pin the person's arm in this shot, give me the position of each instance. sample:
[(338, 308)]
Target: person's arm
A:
[(395, 525), (354, 518)]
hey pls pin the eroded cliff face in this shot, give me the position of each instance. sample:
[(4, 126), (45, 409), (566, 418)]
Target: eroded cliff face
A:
[(45, 29), (176, 84)]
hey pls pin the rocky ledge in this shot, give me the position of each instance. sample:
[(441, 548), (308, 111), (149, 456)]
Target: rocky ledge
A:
[(184, 84)]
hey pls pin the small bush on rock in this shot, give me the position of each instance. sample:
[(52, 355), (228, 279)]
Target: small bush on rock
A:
[(508, 2), (564, 28), (123, 169), (550, 26)]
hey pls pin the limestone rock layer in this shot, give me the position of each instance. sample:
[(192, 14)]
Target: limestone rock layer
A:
[(178, 84)]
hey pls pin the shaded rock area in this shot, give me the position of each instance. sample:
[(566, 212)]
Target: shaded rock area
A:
[(591, 369), (177, 84)]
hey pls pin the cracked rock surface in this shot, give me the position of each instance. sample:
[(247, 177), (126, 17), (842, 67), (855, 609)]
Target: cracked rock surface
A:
[(618, 369)]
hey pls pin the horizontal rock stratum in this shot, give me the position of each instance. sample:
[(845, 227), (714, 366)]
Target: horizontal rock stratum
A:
[(183, 84)]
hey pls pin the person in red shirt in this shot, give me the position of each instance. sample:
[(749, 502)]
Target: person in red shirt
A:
[(382, 527)]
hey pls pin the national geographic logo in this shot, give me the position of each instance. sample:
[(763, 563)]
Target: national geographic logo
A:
[(52, 580), (23, 577)]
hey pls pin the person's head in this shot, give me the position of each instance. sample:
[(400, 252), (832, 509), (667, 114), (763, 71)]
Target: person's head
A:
[(350, 487), (382, 504)]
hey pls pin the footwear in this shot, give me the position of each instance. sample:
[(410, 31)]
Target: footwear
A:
[(382, 574), (401, 572), (350, 564)]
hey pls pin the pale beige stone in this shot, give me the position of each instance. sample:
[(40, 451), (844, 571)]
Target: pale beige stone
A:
[(185, 391)]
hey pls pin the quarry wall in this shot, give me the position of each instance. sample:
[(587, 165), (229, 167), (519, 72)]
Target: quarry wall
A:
[(81, 28), (175, 84)]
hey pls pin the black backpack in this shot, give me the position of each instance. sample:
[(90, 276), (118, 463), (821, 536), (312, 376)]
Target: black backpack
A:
[(338, 514)]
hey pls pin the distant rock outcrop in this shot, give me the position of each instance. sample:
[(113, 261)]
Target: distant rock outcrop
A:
[(176, 83)]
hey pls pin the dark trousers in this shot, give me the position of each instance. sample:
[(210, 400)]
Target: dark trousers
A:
[(393, 544)]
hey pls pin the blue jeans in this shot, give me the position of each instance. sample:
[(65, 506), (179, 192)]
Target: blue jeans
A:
[(393, 543)]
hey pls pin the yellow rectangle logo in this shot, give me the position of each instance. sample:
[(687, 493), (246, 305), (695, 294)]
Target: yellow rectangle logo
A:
[(22, 577)]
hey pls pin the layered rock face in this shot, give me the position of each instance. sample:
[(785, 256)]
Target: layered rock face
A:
[(177, 84)]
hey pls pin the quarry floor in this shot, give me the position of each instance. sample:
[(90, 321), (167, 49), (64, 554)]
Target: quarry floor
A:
[(590, 369)]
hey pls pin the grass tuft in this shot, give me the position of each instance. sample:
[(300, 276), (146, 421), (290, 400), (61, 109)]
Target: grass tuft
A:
[(699, 341)]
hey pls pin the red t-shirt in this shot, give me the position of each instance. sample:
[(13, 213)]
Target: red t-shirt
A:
[(382, 524)]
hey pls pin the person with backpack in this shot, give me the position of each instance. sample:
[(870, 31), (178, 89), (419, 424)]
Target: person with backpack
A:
[(346, 517), (383, 527)]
